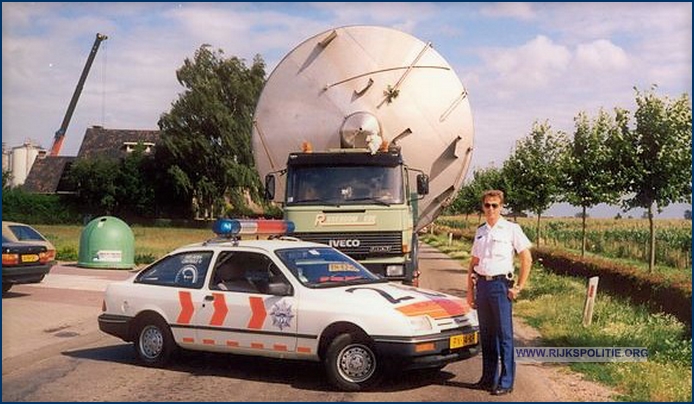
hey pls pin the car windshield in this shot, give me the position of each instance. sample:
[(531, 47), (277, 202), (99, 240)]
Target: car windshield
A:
[(321, 267)]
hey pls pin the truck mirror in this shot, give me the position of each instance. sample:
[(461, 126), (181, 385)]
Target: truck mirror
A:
[(269, 187), (422, 184)]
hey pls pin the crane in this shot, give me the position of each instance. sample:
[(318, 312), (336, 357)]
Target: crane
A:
[(60, 133)]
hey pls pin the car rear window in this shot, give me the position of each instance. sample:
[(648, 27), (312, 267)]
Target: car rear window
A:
[(185, 270), (26, 233)]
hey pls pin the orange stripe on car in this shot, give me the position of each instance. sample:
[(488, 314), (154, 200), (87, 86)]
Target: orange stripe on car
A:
[(233, 343), (220, 309), (257, 345), (303, 349), (440, 308), (187, 308), (188, 340), (208, 341), (258, 312), (280, 347)]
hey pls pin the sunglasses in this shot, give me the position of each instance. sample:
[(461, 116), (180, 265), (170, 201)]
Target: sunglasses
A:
[(491, 205)]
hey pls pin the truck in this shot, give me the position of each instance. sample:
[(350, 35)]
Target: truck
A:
[(363, 134)]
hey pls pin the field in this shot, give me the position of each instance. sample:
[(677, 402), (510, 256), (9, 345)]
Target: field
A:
[(151, 243), (623, 240)]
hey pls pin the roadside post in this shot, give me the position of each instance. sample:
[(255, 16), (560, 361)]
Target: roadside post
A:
[(590, 301)]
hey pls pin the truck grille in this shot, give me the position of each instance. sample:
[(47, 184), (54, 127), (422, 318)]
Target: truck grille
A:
[(359, 245)]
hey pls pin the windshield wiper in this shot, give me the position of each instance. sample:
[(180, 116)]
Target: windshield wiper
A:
[(360, 281), (321, 201), (370, 199)]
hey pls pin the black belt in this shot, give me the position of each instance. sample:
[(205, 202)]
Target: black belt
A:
[(507, 276)]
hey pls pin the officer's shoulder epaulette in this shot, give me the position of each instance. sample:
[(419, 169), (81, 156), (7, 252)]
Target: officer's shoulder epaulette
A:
[(481, 226)]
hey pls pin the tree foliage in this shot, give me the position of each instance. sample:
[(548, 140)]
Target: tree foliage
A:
[(656, 155), (591, 177), (95, 181), (468, 200), (534, 170), (206, 136)]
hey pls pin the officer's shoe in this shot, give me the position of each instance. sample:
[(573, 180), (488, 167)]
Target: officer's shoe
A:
[(480, 385), (502, 391)]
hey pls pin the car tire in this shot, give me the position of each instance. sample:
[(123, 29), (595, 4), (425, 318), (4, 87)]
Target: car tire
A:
[(351, 363), (6, 286), (154, 343)]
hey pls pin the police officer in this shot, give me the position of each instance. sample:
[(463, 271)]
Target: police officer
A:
[(491, 274)]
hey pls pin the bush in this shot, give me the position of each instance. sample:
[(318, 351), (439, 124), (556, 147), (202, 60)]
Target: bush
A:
[(25, 207)]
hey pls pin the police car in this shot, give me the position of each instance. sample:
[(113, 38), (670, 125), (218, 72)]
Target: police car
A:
[(285, 298)]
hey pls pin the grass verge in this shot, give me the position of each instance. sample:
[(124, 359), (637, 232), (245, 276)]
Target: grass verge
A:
[(151, 243), (553, 304)]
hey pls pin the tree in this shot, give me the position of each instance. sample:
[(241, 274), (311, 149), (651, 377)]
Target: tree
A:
[(134, 187), (206, 136), (6, 179), (534, 171), (95, 181), (590, 176), (656, 155), (469, 196)]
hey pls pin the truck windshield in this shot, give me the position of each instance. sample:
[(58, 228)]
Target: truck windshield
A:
[(345, 185), (322, 267)]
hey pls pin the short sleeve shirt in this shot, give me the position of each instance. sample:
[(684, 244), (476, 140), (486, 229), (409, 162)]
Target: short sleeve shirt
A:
[(495, 247)]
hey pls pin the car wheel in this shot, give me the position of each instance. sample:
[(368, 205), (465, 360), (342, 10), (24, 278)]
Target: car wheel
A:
[(6, 286), (351, 363), (154, 344)]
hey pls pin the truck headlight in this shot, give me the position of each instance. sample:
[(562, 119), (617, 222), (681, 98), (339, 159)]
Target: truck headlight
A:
[(395, 270), (421, 323)]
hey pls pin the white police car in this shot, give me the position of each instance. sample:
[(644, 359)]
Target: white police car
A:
[(285, 298)]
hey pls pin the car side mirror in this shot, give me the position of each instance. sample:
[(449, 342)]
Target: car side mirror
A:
[(422, 184), (279, 289), (270, 187)]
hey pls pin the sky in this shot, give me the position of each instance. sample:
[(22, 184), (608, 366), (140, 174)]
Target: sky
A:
[(520, 62)]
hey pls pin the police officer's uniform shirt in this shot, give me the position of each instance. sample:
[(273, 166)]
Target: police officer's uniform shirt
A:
[(494, 246)]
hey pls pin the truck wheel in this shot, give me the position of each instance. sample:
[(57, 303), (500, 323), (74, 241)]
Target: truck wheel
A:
[(351, 363), (154, 343)]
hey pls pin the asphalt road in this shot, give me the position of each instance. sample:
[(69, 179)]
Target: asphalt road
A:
[(52, 350)]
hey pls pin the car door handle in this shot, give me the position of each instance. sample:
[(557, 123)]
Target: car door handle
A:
[(209, 298)]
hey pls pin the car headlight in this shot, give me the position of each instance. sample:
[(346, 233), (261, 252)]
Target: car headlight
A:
[(421, 323), (472, 317), (395, 270)]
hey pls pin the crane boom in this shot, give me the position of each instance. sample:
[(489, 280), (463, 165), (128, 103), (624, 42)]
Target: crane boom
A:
[(60, 133)]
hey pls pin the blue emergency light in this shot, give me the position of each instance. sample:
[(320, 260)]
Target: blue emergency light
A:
[(234, 227)]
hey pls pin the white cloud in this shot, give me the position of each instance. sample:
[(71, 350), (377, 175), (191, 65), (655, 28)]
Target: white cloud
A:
[(521, 11), (530, 66), (601, 55)]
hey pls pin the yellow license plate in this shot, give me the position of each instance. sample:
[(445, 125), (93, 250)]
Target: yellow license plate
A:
[(30, 258), (459, 341)]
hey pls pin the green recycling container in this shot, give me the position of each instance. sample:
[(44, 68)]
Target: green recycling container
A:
[(107, 242)]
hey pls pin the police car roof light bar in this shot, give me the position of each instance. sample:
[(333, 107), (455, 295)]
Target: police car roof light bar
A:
[(230, 228)]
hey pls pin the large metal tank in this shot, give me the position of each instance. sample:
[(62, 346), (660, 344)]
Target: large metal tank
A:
[(378, 76), (21, 160)]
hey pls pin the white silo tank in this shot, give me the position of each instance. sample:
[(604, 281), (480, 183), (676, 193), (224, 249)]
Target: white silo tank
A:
[(21, 160)]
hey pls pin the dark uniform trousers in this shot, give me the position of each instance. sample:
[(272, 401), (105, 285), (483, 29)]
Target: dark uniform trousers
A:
[(495, 312)]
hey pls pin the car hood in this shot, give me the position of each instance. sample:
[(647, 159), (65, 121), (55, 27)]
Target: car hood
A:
[(408, 300)]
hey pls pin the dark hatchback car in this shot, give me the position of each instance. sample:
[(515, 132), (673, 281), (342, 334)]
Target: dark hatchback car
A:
[(23, 263)]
